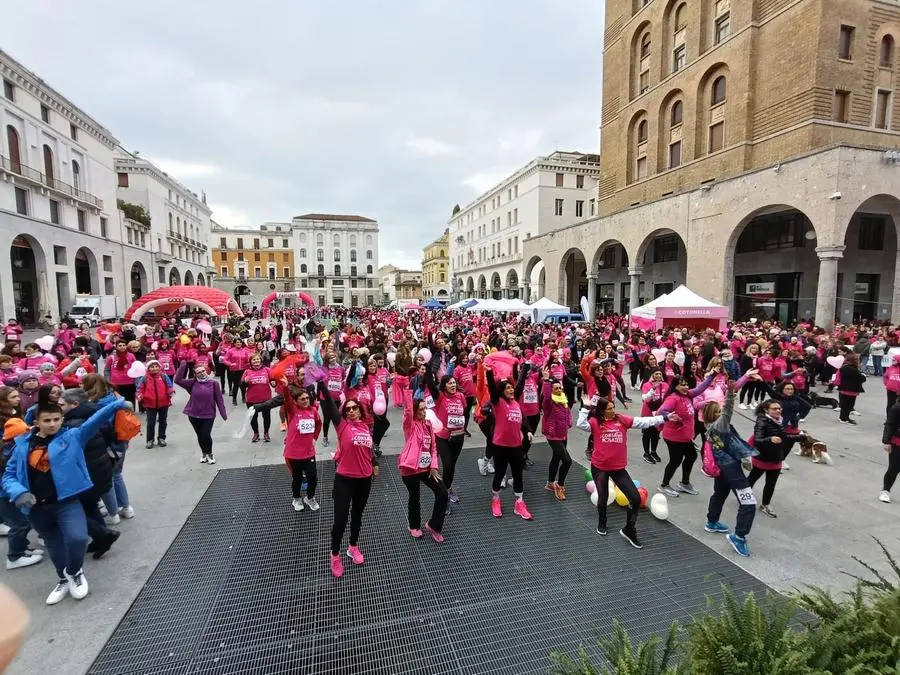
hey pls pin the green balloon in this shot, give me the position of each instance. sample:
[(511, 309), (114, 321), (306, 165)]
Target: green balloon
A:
[(587, 475)]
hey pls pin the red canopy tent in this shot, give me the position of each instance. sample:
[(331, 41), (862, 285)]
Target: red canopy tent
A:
[(213, 301)]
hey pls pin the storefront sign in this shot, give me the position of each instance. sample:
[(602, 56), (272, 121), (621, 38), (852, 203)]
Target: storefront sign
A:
[(760, 288)]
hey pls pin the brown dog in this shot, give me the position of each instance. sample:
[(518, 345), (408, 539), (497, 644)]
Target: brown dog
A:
[(812, 447)]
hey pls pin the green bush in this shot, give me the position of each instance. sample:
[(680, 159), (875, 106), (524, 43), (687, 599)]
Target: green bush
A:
[(857, 633)]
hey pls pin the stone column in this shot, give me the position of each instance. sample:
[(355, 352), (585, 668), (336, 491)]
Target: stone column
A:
[(592, 297), (826, 292), (526, 292), (634, 290)]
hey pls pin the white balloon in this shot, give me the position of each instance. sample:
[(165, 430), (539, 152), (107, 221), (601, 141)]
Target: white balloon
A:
[(595, 498), (137, 369), (436, 425), (659, 506), (611, 492)]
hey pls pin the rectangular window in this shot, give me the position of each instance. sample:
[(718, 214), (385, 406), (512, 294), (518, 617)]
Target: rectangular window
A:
[(256, 257), (516, 216), (224, 271), (284, 243), (240, 256), (558, 207), (272, 274), (257, 272), (882, 109), (286, 272), (641, 168), (644, 83), (560, 180), (665, 249), (515, 244), (256, 243), (271, 257), (45, 113), (107, 263), (871, 233), (54, 212), (223, 243), (579, 181), (9, 90), (270, 243), (123, 180), (841, 109), (678, 58), (240, 242), (82, 221), (515, 194), (675, 154), (22, 201), (103, 233), (579, 208), (845, 46), (224, 256), (723, 27), (593, 207), (73, 132), (717, 137)]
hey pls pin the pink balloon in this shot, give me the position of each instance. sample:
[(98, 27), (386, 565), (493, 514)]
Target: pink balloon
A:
[(659, 353), (591, 487), (835, 361), (425, 354), (379, 406)]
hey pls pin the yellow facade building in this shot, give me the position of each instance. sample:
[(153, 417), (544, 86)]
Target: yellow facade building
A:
[(436, 269)]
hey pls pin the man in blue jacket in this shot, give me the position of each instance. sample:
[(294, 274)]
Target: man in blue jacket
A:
[(44, 477)]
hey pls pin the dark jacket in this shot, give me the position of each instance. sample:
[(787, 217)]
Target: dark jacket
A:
[(891, 425), (96, 456), (851, 379), (763, 433)]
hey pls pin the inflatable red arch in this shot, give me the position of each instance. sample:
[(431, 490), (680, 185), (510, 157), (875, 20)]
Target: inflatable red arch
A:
[(306, 298), (213, 301)]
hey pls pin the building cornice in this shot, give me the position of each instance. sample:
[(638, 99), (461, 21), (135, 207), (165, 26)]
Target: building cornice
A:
[(141, 166), (23, 78)]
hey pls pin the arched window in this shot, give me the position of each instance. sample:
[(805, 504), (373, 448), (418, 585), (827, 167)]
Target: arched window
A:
[(680, 14), (645, 45), (642, 131), (321, 270), (368, 240), (48, 164), (320, 254), (677, 114), (302, 252), (12, 142), (303, 268), (178, 224), (303, 237), (320, 239), (352, 270), (369, 255), (337, 270), (353, 256), (368, 269), (337, 255), (171, 221), (638, 150), (76, 174), (886, 53), (718, 91)]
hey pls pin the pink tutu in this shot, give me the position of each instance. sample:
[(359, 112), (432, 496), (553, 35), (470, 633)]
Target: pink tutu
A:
[(401, 383)]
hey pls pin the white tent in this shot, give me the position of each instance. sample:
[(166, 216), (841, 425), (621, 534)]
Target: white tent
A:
[(680, 304), (486, 305), (513, 305), (543, 307), (462, 304)]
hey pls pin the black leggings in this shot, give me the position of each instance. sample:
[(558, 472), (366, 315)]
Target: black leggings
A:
[(234, 384), (379, 429), (533, 422), (683, 454), (487, 428), (771, 480), (448, 450), (650, 439), (560, 461), (300, 469), (350, 498), (267, 420), (635, 371), (221, 370), (752, 391), (623, 481), (893, 468), (414, 509), (891, 400), (203, 429), (847, 403), (515, 459), (470, 401)]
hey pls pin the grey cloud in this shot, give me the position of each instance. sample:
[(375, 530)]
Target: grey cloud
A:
[(305, 106)]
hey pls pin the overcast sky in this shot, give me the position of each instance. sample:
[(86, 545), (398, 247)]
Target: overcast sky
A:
[(394, 110)]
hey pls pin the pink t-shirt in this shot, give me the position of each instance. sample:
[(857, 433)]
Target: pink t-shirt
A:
[(451, 411), (507, 424), (610, 444), (354, 454), (258, 387)]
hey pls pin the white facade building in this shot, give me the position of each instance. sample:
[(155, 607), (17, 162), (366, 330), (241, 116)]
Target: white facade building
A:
[(487, 236), (389, 277), (180, 223)]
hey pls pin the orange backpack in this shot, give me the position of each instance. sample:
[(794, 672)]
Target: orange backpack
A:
[(127, 425)]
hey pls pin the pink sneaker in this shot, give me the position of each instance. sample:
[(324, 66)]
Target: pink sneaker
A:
[(416, 533), (337, 567), (496, 509), (437, 536), (355, 555), (522, 510)]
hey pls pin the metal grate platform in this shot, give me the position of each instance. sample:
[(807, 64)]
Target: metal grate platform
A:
[(246, 587)]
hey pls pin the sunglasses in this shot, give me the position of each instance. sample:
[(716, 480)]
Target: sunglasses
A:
[(350, 408)]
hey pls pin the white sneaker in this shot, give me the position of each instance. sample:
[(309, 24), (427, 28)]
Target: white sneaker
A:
[(744, 406), (127, 512), (482, 466), (311, 503), (78, 585), (856, 413), (4, 530), (204, 460), (802, 420), (25, 561), (113, 520), (211, 460), (490, 464), (297, 504), (885, 497), (60, 591)]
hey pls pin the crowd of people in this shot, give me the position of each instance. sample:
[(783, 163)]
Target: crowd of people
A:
[(69, 402)]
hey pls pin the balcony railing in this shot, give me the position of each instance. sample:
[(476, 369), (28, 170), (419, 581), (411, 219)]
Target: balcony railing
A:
[(35, 176)]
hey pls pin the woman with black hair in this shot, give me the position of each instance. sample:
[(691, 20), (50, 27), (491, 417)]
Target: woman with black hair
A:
[(450, 409), (355, 465), (770, 437)]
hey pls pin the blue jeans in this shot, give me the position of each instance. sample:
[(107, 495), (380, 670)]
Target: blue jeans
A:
[(17, 539), (64, 529), (117, 496), (876, 364), (731, 478)]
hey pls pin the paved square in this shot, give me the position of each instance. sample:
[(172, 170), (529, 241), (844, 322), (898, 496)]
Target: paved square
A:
[(245, 586)]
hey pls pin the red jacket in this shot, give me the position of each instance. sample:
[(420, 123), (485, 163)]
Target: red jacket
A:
[(155, 391)]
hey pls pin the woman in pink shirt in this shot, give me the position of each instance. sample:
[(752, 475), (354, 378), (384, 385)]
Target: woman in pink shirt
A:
[(556, 422), (464, 374), (117, 365), (450, 409), (257, 379), (610, 457), (355, 464), (334, 383), (653, 392), (237, 359), (304, 425), (418, 464), (510, 430)]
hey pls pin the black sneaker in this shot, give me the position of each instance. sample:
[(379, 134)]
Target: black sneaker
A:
[(656, 458), (103, 544), (601, 530), (161, 442), (378, 452), (649, 459), (631, 536)]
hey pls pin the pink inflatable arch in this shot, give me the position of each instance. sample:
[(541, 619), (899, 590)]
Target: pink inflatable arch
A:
[(306, 298)]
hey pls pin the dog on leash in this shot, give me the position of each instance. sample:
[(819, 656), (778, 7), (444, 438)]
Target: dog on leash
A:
[(812, 447), (822, 401)]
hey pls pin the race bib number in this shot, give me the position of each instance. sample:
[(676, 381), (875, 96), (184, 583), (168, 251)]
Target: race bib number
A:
[(595, 399), (746, 496), (530, 395), (456, 421), (306, 426), (429, 402), (334, 385), (424, 459)]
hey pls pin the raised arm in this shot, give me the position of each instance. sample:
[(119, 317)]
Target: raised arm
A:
[(93, 423), (647, 422), (328, 407), (703, 386), (491, 385), (520, 382), (181, 378)]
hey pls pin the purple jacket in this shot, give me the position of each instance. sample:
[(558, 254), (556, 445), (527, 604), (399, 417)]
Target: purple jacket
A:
[(205, 396), (557, 418)]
